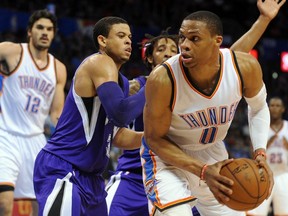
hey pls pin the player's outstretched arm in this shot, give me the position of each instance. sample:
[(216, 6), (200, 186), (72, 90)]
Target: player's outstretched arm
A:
[(268, 11), (127, 139)]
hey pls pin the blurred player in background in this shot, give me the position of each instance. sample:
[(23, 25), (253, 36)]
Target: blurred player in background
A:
[(32, 89), (277, 158), (127, 181)]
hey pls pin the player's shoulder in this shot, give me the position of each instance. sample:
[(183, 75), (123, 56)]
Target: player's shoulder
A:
[(173, 60), (159, 75), (10, 44), (245, 57), (99, 62), (99, 58), (247, 63), (60, 64), (8, 48)]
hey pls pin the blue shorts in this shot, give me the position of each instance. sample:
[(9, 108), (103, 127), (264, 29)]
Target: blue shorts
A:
[(63, 190), (126, 195)]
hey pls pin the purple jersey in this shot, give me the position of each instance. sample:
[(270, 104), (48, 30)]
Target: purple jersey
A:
[(84, 134), (130, 159)]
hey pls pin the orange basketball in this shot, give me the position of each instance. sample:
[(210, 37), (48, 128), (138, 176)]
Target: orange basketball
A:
[(251, 184)]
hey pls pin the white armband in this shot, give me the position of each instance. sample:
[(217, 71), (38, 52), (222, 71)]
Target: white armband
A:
[(258, 119)]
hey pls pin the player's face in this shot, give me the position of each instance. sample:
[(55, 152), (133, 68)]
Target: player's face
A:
[(163, 50), (276, 108), (118, 43), (197, 45), (41, 34)]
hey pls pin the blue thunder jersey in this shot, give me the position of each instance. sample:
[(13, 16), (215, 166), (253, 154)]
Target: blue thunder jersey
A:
[(26, 95), (198, 119), (84, 134)]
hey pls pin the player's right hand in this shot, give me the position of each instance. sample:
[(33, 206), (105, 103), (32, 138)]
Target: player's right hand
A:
[(218, 184)]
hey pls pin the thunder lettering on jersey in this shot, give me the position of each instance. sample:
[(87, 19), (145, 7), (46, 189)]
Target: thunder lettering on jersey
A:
[(81, 138), (27, 94), (201, 119), (277, 153)]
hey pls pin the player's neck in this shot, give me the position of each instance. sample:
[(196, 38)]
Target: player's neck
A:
[(276, 124), (38, 54)]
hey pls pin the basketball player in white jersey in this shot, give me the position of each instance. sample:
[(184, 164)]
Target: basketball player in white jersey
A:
[(126, 183), (32, 89), (191, 100), (277, 158)]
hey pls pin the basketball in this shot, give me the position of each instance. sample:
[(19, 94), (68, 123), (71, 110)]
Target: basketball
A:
[(251, 184)]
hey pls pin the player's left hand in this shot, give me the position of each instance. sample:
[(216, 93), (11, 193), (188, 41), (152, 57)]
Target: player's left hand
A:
[(261, 161), (269, 8), (134, 87)]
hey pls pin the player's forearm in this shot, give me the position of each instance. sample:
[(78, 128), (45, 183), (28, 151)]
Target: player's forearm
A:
[(120, 110), (250, 38), (127, 139), (171, 154), (259, 119)]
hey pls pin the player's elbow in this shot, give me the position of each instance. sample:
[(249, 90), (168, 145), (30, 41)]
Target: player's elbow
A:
[(121, 119), (151, 141)]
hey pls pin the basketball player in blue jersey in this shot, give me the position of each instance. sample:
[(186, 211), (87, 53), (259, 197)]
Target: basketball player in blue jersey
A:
[(126, 183), (68, 171), (32, 88), (190, 102)]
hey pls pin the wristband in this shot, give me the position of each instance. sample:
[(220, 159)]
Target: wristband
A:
[(141, 80), (262, 153), (203, 169)]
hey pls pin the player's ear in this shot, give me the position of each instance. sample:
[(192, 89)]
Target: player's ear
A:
[(101, 40), (150, 59), (218, 40)]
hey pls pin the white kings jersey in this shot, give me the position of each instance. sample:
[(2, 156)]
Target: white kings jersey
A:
[(277, 153), (199, 120), (27, 94)]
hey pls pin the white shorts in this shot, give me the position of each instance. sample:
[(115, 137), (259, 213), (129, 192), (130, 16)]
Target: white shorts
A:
[(279, 197), (17, 156), (174, 186)]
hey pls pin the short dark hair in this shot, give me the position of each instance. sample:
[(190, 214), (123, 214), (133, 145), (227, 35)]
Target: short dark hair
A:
[(152, 40), (42, 14), (276, 98), (103, 27), (212, 20)]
